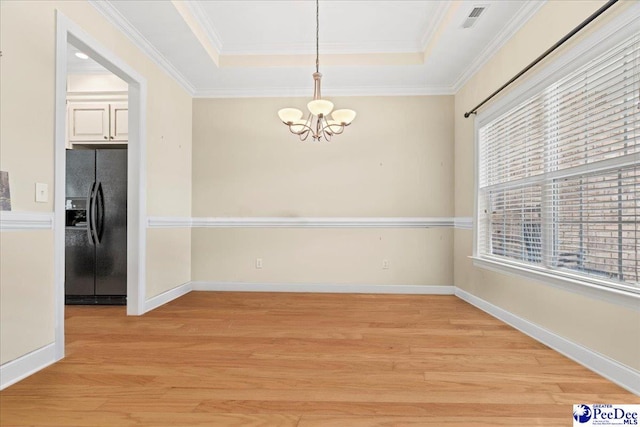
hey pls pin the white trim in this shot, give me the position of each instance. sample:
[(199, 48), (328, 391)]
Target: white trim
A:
[(21, 221), (203, 19), (463, 222), (565, 281), (111, 14), (326, 222), (24, 366), (433, 24), (68, 31), (329, 48), (322, 288), (626, 377), (284, 92), (168, 296), (526, 12), (59, 158), (169, 222), (137, 198)]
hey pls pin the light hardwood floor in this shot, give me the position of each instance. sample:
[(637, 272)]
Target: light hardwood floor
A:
[(272, 359)]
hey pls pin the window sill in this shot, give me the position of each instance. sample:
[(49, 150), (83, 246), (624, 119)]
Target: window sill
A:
[(629, 298)]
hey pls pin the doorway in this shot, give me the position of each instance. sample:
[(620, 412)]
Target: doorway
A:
[(96, 183), (69, 33)]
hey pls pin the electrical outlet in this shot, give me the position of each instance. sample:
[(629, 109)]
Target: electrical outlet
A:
[(385, 264), (258, 262)]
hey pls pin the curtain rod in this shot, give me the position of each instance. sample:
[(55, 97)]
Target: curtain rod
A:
[(545, 54)]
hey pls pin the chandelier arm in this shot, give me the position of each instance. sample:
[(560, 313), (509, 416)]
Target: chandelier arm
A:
[(304, 129), (327, 135), (336, 132), (303, 136)]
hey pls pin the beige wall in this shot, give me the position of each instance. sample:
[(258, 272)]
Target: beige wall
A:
[(27, 81), (168, 259), (606, 328), (325, 256), (93, 83), (396, 160), (26, 292)]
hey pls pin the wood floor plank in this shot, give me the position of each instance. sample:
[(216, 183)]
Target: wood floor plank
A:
[(277, 359)]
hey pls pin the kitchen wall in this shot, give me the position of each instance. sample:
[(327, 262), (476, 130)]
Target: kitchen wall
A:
[(606, 328), (396, 160), (27, 81)]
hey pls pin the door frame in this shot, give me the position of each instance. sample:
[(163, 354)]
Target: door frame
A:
[(68, 31)]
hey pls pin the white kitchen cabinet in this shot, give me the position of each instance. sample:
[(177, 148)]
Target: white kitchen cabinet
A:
[(98, 123)]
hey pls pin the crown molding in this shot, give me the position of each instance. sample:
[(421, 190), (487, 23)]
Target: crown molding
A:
[(113, 16), (309, 48), (281, 92), (526, 12), (433, 24), (200, 15)]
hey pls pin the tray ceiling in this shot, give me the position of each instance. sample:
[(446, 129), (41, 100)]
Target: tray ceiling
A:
[(267, 48)]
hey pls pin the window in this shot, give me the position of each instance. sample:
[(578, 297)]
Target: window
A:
[(559, 175)]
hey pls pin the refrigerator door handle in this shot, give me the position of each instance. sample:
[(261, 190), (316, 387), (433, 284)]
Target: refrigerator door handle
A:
[(89, 215), (99, 212), (94, 214)]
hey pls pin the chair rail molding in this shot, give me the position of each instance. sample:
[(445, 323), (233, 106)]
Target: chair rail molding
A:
[(22, 221), (300, 222)]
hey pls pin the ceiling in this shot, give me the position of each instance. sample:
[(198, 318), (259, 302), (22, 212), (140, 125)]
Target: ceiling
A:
[(267, 48)]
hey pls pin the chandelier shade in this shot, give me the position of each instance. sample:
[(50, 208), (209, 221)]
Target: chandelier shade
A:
[(319, 107), (343, 116), (290, 115), (318, 123)]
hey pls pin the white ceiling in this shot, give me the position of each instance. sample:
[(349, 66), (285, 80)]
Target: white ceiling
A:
[(267, 48)]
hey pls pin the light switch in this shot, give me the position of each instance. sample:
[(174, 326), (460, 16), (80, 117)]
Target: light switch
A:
[(42, 192)]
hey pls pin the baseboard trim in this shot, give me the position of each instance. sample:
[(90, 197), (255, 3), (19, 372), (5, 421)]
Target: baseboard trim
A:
[(322, 288), (626, 377), (167, 296), (24, 366)]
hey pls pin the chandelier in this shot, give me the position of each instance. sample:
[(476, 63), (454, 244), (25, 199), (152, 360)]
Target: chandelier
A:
[(318, 124)]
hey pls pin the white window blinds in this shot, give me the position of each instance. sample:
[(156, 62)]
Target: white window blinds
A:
[(559, 175)]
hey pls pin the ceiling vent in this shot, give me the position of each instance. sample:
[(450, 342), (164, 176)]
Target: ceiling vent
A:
[(472, 19)]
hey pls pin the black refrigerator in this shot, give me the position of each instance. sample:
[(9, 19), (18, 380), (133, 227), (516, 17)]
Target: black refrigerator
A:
[(96, 227)]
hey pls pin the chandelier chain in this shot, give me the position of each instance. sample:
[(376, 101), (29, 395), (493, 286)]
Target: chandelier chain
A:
[(317, 36)]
